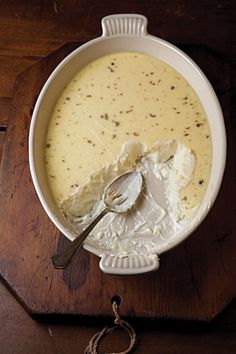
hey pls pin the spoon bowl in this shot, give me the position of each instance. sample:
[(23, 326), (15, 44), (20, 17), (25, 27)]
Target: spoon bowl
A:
[(122, 193)]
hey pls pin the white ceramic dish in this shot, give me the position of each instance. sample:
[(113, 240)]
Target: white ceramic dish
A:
[(124, 32)]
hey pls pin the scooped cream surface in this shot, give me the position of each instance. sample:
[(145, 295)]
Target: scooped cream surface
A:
[(117, 99), (159, 212)]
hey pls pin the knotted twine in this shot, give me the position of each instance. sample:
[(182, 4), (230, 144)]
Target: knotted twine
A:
[(119, 323)]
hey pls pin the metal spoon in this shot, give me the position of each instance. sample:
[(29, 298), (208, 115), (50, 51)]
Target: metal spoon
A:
[(119, 196)]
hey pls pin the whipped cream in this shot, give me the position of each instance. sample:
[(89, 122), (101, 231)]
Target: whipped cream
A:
[(167, 167)]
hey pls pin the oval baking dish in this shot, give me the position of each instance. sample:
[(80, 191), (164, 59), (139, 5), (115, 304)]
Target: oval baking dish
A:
[(124, 32)]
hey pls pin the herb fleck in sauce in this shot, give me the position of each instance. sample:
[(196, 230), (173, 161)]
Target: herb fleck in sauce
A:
[(149, 100)]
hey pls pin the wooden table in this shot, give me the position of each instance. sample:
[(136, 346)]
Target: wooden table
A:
[(29, 31)]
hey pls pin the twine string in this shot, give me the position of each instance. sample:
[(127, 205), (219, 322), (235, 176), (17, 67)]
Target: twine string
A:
[(94, 342)]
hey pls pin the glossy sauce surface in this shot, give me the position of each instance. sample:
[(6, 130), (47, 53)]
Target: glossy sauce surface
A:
[(118, 98)]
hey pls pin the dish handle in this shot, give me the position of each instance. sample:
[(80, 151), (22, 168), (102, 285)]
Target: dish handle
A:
[(131, 264), (124, 24)]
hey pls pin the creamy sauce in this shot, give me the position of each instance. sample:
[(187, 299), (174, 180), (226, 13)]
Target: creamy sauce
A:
[(118, 98), (159, 212)]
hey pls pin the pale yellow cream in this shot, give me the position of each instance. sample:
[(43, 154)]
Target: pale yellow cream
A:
[(118, 98)]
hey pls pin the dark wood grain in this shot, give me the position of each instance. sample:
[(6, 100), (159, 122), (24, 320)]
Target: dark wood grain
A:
[(20, 334), (30, 30), (5, 105), (2, 139), (186, 285)]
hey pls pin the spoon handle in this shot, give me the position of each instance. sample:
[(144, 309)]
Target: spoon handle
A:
[(63, 259)]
